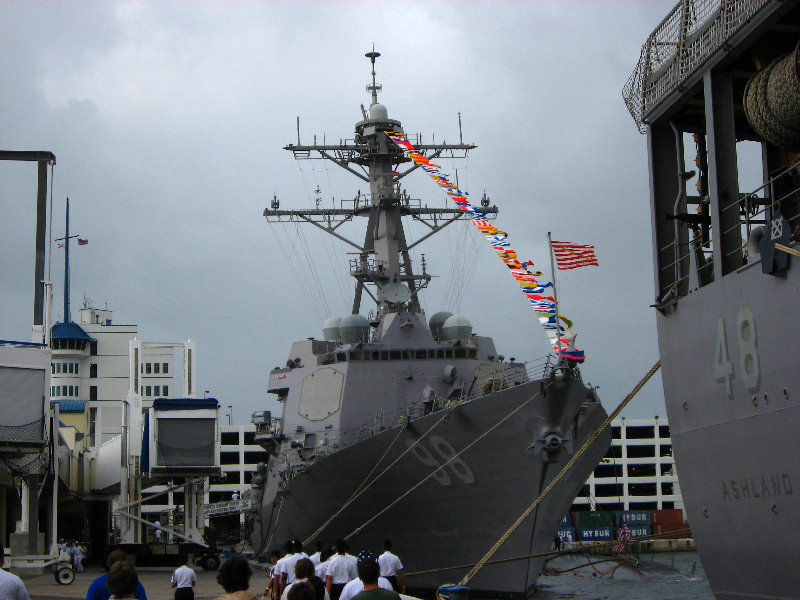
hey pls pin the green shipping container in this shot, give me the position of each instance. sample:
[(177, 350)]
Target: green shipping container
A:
[(593, 518)]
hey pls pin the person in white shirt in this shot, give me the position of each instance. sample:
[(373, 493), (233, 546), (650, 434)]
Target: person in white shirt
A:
[(287, 567), (304, 570), (11, 586), (392, 568), (77, 557), (342, 568), (158, 532), (321, 570), (315, 558), (235, 495), (277, 588), (183, 580), (356, 586)]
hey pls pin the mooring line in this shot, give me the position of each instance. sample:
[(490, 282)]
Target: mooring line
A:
[(560, 475)]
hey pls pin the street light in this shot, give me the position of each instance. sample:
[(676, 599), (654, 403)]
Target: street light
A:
[(230, 410), (206, 393)]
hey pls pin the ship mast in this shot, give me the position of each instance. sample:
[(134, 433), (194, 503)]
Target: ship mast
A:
[(383, 266)]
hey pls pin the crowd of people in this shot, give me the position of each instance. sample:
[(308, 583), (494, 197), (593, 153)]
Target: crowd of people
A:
[(73, 551), (328, 574), (334, 573)]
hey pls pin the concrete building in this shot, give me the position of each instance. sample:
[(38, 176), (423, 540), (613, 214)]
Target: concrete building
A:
[(638, 471), (90, 362)]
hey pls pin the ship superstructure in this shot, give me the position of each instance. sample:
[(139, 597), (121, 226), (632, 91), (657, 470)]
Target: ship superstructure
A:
[(719, 81), (413, 428)]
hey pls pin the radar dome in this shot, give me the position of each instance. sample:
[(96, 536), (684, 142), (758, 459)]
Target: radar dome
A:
[(436, 323), (354, 328), (378, 112), (330, 329), (457, 328)]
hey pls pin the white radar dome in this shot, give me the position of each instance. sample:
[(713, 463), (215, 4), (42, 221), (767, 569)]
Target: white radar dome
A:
[(378, 112), (330, 329), (457, 328), (437, 322), (354, 328)]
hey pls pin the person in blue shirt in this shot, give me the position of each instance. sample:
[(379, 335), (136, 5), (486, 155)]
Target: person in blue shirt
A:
[(99, 588)]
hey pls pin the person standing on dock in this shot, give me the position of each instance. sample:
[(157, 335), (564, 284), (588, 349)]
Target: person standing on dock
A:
[(368, 573), (98, 590), (391, 568), (11, 586), (183, 580), (290, 560), (316, 557), (341, 570)]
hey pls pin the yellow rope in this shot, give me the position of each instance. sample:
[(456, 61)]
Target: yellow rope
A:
[(558, 477), (362, 486)]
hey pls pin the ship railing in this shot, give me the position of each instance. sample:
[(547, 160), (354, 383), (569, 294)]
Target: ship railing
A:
[(752, 213), (687, 37)]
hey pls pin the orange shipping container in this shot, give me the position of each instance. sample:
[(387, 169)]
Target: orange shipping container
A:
[(667, 515), (671, 530)]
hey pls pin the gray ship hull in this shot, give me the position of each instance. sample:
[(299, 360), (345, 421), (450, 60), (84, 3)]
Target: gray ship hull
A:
[(455, 516), (738, 457)]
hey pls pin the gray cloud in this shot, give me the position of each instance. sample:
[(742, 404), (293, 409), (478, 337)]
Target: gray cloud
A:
[(168, 121)]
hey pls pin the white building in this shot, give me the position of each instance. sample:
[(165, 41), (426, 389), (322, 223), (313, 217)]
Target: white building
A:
[(90, 362), (638, 471)]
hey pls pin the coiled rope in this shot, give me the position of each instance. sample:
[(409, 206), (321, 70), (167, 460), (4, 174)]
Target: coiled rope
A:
[(560, 475)]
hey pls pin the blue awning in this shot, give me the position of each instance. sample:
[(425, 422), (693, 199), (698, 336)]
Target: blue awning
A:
[(69, 331), (184, 403), (70, 406)]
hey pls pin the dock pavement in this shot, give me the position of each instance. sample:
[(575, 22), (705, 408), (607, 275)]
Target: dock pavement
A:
[(154, 579)]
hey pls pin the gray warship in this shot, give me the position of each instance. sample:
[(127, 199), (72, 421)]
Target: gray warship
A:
[(414, 429), (718, 82)]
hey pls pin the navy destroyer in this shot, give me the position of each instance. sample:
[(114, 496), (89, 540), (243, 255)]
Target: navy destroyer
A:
[(718, 85), (414, 429)]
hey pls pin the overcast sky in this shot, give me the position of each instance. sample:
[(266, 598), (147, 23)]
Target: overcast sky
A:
[(168, 121)]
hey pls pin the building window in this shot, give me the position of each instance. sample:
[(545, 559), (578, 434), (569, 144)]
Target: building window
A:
[(76, 368), (93, 371), (148, 368), (53, 368), (52, 390), (93, 393), (63, 367), (166, 390), (156, 368), (93, 348), (157, 389), (147, 390), (165, 367)]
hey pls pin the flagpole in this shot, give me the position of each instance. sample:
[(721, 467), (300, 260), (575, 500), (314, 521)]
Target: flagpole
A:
[(555, 293)]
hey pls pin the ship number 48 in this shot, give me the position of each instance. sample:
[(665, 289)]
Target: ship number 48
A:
[(748, 353)]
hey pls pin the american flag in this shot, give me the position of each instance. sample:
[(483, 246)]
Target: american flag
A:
[(624, 536), (571, 256)]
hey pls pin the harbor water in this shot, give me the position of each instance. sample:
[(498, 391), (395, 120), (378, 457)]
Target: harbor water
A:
[(686, 582)]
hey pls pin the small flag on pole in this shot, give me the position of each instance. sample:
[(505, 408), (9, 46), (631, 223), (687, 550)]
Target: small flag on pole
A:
[(572, 256), (624, 536), (82, 242)]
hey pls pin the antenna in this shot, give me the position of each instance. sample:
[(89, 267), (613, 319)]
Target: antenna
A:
[(374, 87)]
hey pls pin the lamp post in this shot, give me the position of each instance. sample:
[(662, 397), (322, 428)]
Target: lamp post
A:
[(230, 410)]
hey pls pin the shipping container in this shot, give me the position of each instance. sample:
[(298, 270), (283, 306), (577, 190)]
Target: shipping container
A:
[(638, 531), (593, 518), (566, 521), (563, 531), (633, 517), (671, 530), (667, 515), (596, 533)]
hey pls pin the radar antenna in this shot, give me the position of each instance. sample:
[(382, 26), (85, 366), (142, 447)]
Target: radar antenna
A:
[(374, 87)]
